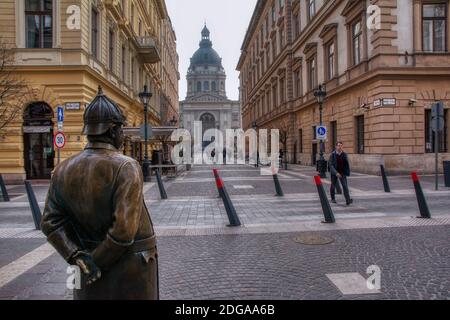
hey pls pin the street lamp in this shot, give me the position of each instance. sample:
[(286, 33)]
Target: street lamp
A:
[(255, 127), (321, 95), (145, 98), (173, 122)]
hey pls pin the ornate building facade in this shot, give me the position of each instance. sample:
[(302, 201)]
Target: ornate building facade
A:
[(206, 99), (381, 80), (63, 50)]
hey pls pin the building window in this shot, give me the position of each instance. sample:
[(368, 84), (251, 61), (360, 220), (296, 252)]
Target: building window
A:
[(360, 135), (330, 61), (274, 14), (311, 9), (434, 26), (296, 24), (274, 47), (269, 108), (282, 91), (334, 134), (430, 136), (111, 49), (206, 86), (356, 42), (267, 58), (312, 79), (281, 39), (199, 86), (39, 23), (133, 74), (281, 5), (213, 86), (94, 32), (297, 83), (124, 63), (274, 97)]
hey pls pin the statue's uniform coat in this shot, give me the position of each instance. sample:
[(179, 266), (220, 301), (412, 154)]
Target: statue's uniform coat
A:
[(95, 203)]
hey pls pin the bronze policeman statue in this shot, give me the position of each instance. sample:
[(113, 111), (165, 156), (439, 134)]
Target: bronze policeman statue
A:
[(95, 215)]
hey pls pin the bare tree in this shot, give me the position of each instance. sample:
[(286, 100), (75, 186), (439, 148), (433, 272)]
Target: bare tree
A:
[(12, 88), (283, 126)]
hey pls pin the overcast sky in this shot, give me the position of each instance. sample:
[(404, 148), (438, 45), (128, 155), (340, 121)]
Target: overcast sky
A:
[(226, 19)]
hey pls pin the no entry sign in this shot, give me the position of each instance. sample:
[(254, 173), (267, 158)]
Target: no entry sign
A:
[(60, 140)]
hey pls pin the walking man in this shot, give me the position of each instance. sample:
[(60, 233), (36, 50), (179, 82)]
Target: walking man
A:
[(340, 170)]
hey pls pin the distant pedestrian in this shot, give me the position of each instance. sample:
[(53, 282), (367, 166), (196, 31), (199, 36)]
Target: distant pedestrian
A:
[(340, 170), (224, 153), (280, 156)]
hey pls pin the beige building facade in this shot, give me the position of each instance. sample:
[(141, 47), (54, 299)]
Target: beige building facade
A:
[(63, 51), (381, 80)]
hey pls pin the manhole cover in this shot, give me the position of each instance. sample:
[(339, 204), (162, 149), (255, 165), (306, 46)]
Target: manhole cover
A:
[(313, 240)]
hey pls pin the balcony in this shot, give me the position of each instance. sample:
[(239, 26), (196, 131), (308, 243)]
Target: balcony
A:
[(148, 50)]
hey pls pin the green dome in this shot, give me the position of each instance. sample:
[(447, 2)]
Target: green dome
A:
[(206, 55)]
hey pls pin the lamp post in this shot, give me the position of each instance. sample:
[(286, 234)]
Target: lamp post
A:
[(255, 127), (145, 98), (321, 95)]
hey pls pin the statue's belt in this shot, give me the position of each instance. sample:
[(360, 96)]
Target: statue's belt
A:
[(138, 245)]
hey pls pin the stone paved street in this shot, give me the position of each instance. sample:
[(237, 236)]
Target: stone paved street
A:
[(200, 258)]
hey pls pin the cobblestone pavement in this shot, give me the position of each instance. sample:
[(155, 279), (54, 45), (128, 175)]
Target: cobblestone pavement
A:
[(200, 258)]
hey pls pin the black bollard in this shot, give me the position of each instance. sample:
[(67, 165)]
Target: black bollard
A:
[(423, 206), (327, 212), (5, 195), (35, 210), (387, 188), (162, 190), (277, 186), (229, 207)]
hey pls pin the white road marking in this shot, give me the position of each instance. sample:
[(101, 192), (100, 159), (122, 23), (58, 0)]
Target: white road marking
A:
[(18, 267), (243, 187), (351, 283)]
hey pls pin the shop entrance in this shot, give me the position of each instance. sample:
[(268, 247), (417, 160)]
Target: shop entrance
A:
[(39, 153)]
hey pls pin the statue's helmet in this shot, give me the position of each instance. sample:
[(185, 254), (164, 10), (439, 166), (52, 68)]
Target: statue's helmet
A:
[(101, 115)]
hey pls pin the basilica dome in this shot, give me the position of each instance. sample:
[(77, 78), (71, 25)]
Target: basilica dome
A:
[(206, 55)]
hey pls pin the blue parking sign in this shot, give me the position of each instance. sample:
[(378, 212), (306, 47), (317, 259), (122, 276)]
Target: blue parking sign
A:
[(60, 114)]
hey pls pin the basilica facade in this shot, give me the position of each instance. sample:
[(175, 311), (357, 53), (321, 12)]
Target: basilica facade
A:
[(206, 99)]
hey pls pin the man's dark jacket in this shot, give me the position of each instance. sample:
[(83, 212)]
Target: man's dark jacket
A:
[(95, 203), (333, 164)]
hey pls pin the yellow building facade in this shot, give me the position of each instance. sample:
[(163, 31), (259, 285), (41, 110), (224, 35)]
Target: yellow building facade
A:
[(64, 50)]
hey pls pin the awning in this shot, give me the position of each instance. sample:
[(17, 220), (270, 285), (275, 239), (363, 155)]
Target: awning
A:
[(159, 134)]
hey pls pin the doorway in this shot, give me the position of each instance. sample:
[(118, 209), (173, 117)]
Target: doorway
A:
[(39, 153), (314, 155)]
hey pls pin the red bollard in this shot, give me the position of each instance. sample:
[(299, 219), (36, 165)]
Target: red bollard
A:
[(229, 207), (327, 212), (423, 206)]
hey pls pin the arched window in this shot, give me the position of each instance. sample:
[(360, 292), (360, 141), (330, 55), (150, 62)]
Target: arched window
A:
[(213, 86), (206, 86), (208, 122), (199, 86)]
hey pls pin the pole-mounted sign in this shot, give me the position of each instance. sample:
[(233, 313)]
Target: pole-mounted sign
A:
[(60, 140)]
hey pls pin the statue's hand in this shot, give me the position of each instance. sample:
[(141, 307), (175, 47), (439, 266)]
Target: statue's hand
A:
[(87, 265)]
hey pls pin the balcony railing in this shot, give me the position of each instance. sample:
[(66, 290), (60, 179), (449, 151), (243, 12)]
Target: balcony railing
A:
[(148, 49)]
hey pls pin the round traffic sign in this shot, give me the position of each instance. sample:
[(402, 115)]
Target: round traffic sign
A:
[(60, 140)]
